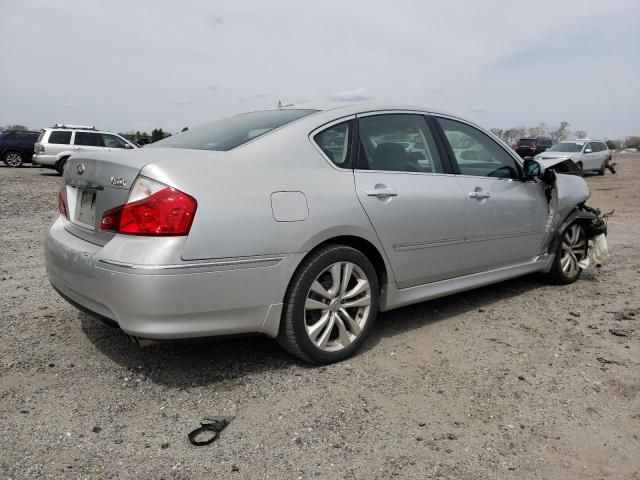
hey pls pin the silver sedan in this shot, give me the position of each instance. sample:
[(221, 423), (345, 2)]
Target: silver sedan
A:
[(302, 224)]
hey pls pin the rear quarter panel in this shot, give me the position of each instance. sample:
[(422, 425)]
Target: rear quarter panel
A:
[(233, 190)]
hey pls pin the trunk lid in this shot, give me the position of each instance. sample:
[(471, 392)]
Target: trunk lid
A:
[(94, 184)]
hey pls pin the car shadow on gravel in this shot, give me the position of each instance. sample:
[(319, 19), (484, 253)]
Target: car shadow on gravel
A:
[(415, 316), (192, 363), (215, 360)]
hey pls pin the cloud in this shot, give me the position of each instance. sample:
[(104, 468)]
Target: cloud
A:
[(356, 95), (479, 109), (213, 22), (213, 88)]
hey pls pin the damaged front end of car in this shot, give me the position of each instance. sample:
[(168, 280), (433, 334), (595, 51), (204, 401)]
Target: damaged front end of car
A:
[(567, 193)]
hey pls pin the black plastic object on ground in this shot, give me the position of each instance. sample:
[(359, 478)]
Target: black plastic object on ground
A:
[(209, 430)]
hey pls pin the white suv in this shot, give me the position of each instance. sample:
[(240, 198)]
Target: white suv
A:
[(56, 144)]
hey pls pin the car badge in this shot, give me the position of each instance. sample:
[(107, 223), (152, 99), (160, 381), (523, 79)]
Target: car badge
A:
[(118, 182)]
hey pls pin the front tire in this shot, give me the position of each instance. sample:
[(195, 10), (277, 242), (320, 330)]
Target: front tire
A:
[(330, 305), (572, 249), (13, 159), (604, 166)]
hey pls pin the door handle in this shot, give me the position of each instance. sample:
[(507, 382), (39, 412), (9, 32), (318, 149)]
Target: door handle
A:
[(382, 192), (479, 195)]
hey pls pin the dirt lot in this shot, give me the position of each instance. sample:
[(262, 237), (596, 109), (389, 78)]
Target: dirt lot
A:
[(518, 380)]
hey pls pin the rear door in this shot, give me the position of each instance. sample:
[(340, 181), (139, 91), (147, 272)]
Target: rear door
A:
[(506, 217), (88, 142), (415, 204)]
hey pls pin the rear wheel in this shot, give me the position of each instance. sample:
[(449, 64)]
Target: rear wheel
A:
[(330, 306), (60, 165), (571, 251), (13, 159)]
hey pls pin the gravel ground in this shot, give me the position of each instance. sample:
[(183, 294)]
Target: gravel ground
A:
[(517, 380)]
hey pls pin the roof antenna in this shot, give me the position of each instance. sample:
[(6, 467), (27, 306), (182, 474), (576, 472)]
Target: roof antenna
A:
[(282, 105)]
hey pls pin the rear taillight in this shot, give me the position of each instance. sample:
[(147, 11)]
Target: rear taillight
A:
[(62, 202), (153, 208)]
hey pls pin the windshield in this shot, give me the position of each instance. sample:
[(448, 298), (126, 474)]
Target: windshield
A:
[(567, 147), (228, 133), (527, 141)]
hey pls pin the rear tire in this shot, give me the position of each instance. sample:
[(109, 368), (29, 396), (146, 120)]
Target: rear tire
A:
[(330, 306), (13, 159), (60, 165), (572, 248)]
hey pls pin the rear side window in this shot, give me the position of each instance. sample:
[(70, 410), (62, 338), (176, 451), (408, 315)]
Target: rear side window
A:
[(27, 136), (476, 153), (60, 137), (231, 132), (89, 139), (334, 142), (397, 142)]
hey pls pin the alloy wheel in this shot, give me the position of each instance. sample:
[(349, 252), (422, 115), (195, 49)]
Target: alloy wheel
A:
[(337, 306), (574, 250), (13, 159)]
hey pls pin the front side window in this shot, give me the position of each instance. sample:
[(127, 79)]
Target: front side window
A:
[(397, 142), (334, 142), (60, 137), (476, 153), (89, 139), (112, 141)]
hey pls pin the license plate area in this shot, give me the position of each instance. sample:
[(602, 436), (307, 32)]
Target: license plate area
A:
[(84, 213)]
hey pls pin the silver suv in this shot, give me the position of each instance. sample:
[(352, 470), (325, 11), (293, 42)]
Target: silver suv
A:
[(56, 144)]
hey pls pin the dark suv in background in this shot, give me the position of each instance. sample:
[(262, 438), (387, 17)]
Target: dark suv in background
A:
[(16, 147), (530, 147)]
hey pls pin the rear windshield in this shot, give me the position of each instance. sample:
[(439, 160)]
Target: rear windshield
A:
[(527, 141), (567, 147), (228, 133)]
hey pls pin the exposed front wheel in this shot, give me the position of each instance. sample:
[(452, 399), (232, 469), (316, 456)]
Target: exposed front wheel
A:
[(330, 306), (13, 159), (603, 168), (571, 251)]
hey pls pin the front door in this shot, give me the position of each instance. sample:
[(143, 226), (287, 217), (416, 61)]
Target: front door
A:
[(506, 217), (417, 209)]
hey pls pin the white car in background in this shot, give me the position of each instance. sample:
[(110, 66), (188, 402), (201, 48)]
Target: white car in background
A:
[(56, 144), (589, 155)]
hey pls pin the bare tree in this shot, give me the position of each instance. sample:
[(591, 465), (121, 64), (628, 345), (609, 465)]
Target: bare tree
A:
[(561, 132), (539, 131), (581, 133)]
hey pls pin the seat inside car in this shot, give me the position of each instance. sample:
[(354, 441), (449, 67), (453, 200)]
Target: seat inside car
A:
[(389, 156)]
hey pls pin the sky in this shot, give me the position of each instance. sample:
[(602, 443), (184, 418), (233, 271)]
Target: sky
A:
[(138, 65)]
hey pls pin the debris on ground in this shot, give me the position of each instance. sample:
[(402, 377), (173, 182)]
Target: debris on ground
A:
[(208, 425)]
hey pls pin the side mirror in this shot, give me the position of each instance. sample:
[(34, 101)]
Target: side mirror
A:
[(531, 169), (587, 150), (127, 146)]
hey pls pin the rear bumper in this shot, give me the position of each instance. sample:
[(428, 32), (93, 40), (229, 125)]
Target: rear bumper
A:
[(46, 160), (170, 301)]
